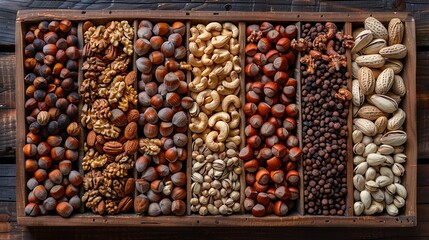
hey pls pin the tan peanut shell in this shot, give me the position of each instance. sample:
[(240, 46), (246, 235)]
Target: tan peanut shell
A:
[(376, 27), (384, 81), (370, 112), (371, 60), (355, 69), (397, 51), (357, 96), (396, 121), (381, 124), (395, 31), (398, 86), (395, 64), (383, 102), (366, 80), (374, 46), (366, 126)]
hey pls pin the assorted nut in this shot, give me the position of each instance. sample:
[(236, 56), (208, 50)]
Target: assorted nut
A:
[(162, 98), (215, 118), (325, 103), (110, 117), (272, 154), (51, 148), (378, 135)]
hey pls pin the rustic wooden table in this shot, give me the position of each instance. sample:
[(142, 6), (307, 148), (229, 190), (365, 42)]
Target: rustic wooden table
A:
[(8, 226)]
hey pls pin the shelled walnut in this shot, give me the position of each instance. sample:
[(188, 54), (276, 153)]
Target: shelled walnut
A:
[(52, 141), (109, 114)]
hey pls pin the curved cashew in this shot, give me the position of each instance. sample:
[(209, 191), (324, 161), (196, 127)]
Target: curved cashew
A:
[(213, 81), (224, 91), (215, 33), (212, 145), (226, 32), (199, 124), (221, 55), (234, 83), (234, 132), (197, 75), (207, 71), (223, 128), (225, 70), (228, 100), (218, 117), (193, 48), (206, 60), (204, 35), (234, 46), (194, 33), (214, 26), (206, 111), (202, 96), (232, 28), (236, 140), (195, 61), (235, 116), (215, 101), (236, 63), (220, 41), (209, 49), (198, 87)]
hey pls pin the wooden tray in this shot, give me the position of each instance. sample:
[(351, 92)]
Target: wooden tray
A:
[(297, 216)]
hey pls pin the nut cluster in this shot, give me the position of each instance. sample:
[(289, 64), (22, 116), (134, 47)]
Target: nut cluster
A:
[(378, 135), (215, 118), (325, 103), (272, 151), (164, 140), (51, 53), (110, 117)]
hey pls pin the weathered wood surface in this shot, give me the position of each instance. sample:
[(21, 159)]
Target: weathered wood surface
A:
[(417, 7)]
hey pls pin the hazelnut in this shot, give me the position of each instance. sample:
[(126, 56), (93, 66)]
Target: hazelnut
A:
[(179, 179), (171, 82), (292, 110), (271, 55), (256, 121), (154, 209), (166, 129), (262, 176), (250, 109), (57, 153), (277, 176), (65, 167), (71, 143), (166, 114), (40, 192), (180, 119), (266, 27), (75, 178), (283, 44), (178, 27), (290, 31), (165, 205), (31, 165), (292, 177), (258, 210), (178, 207), (251, 166), (118, 117), (178, 193), (144, 65), (75, 202), (65, 26), (295, 154), (252, 97), (280, 63), (260, 59), (40, 175), (162, 170), (251, 69), (45, 162), (32, 209), (171, 154), (251, 49), (264, 45), (142, 185), (149, 174), (280, 208), (156, 42), (150, 130), (157, 186), (30, 150), (273, 36), (254, 141), (50, 203), (141, 204), (273, 164), (283, 193), (180, 52), (167, 48), (156, 57), (56, 176), (161, 29), (157, 101), (151, 115), (176, 166), (57, 192), (64, 209), (72, 52)]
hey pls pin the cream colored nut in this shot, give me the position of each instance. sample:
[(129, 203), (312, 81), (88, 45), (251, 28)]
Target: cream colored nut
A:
[(358, 97), (395, 64), (370, 174), (370, 60), (358, 208), (358, 160), (358, 148), (361, 168), (366, 199), (383, 102), (396, 51), (376, 27), (366, 81), (398, 86), (367, 140), (371, 186), (392, 210), (384, 81), (362, 40), (378, 195), (366, 126), (375, 159), (395, 31), (373, 209), (383, 181), (398, 169), (359, 182), (394, 138), (397, 120), (399, 201), (391, 189), (374, 46), (401, 191), (357, 136), (370, 148), (355, 69), (388, 198), (400, 158), (386, 150)]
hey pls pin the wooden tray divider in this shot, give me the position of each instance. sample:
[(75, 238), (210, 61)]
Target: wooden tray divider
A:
[(349, 164), (242, 53), (21, 128), (134, 68), (297, 76), (83, 132), (189, 148)]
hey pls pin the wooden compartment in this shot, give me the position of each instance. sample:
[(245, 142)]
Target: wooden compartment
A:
[(407, 219)]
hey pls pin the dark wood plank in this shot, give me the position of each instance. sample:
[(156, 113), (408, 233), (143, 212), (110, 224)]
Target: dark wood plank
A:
[(7, 85), (7, 132), (7, 170), (7, 212), (423, 175), (423, 194), (7, 194), (7, 182)]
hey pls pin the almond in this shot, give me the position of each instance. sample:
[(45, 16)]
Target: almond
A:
[(130, 131), (131, 78), (113, 147), (133, 115), (131, 146), (91, 138)]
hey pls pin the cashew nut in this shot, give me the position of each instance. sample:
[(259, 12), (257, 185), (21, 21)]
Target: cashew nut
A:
[(236, 62), (223, 128), (234, 132), (235, 120), (213, 81), (220, 41), (206, 60), (236, 140), (220, 116), (199, 124), (207, 71), (196, 48), (234, 46), (221, 55), (194, 61), (234, 81), (198, 87), (224, 91), (202, 96), (209, 49), (215, 101), (232, 28), (194, 33), (204, 35), (229, 101), (212, 145), (225, 70), (214, 26)]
